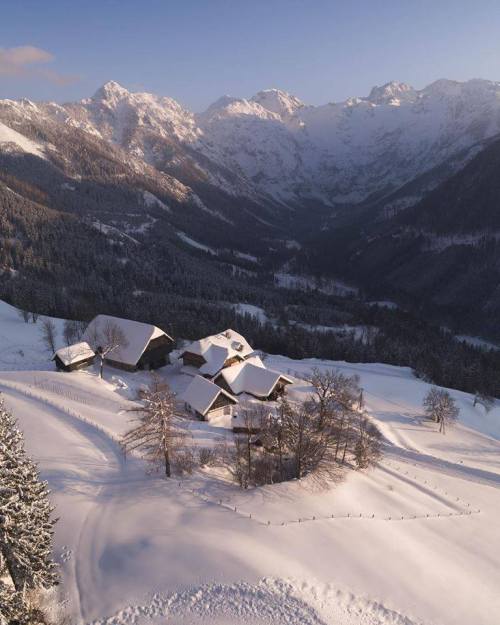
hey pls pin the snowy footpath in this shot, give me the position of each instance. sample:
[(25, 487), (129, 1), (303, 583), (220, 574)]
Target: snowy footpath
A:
[(413, 541)]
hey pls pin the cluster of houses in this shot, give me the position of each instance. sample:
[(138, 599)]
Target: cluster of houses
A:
[(223, 367), (123, 343)]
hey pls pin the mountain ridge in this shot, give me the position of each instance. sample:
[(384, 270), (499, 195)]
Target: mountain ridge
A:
[(282, 148), (249, 175), (272, 147)]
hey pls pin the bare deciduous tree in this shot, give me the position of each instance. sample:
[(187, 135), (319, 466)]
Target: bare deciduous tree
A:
[(155, 433), (49, 334), (73, 331), (106, 340), (242, 461), (313, 437), (311, 450), (440, 406), (367, 447), (25, 315), (484, 400), (333, 391)]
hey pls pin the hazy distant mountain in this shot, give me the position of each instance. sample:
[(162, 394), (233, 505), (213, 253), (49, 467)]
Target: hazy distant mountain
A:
[(274, 147), (368, 186)]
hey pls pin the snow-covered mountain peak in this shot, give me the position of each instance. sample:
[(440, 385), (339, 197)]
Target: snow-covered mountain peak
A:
[(273, 145), (280, 102), (228, 106), (391, 92), (118, 114), (111, 91)]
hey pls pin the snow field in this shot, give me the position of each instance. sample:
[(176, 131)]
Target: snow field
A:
[(139, 549)]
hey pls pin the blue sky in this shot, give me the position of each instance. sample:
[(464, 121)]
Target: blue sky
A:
[(196, 51)]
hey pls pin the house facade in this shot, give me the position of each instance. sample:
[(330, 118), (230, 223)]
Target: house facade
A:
[(207, 401), (73, 357), (127, 344), (252, 378), (209, 355)]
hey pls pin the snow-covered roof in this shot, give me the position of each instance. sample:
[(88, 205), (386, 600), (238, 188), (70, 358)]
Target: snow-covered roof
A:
[(71, 354), (137, 334), (252, 377), (218, 348), (201, 394)]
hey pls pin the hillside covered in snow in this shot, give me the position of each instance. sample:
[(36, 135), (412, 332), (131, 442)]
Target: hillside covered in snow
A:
[(272, 146), (393, 192), (411, 541)]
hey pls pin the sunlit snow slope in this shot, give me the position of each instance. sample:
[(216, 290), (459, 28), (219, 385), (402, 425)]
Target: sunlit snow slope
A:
[(413, 541)]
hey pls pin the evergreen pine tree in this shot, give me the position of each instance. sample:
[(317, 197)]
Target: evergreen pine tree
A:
[(26, 527)]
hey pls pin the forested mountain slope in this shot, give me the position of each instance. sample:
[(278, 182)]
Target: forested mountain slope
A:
[(440, 256), (126, 203)]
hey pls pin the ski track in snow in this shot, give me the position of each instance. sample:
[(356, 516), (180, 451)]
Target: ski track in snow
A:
[(110, 454), (214, 579), (271, 601)]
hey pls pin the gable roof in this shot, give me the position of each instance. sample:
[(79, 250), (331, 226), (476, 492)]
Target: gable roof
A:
[(137, 334), (71, 354), (201, 394), (218, 348), (252, 377)]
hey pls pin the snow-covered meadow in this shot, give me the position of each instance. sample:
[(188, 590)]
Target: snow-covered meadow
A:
[(412, 541)]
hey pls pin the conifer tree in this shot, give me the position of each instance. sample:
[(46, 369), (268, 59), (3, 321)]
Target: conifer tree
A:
[(26, 526)]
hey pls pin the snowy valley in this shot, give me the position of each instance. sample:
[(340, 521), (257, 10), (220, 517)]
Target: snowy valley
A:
[(412, 540)]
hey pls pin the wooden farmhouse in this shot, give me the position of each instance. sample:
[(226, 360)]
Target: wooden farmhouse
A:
[(246, 424), (251, 377), (207, 400), (213, 353), (72, 357), (127, 344)]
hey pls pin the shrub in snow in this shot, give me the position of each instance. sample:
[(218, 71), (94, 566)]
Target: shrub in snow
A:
[(206, 456)]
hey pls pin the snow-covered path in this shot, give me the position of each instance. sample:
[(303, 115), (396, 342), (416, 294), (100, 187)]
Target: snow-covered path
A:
[(414, 541), (84, 468)]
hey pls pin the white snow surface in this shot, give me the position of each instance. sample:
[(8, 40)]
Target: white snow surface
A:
[(249, 309), (151, 200), (8, 136), (77, 352), (273, 145), (252, 377), (137, 337), (200, 246), (218, 348), (413, 541), (477, 341)]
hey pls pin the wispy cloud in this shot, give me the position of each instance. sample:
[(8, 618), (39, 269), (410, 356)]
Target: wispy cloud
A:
[(26, 61)]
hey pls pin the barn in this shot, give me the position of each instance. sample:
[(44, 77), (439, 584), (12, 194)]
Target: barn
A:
[(72, 357), (127, 344), (252, 377), (207, 400), (209, 355)]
